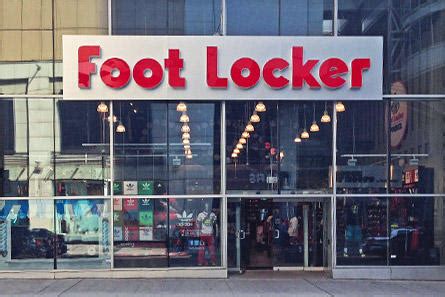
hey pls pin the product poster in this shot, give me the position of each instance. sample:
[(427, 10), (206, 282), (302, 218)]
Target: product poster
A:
[(145, 188), (118, 234), (130, 204), (130, 188), (145, 233), (117, 204), (131, 233), (117, 188), (146, 218)]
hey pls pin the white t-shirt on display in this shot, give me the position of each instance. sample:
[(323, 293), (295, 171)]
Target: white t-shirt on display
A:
[(206, 220)]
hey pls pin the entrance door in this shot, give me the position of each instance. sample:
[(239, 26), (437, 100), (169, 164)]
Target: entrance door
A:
[(280, 234)]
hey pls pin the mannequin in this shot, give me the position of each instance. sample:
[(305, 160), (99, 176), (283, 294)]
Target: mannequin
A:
[(205, 222)]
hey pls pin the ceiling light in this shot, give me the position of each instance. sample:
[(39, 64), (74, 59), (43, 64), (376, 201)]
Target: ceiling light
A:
[(189, 156), (242, 140), (297, 139), (186, 146), (314, 127), (185, 128), (186, 136), (120, 128), (184, 118), (339, 107), (236, 151), (186, 141), (325, 117), (181, 107), (249, 127), (304, 134), (188, 152), (114, 119), (102, 107), (245, 134), (234, 155), (239, 146), (260, 107), (255, 118)]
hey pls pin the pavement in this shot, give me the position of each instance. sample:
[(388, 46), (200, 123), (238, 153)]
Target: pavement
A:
[(248, 284)]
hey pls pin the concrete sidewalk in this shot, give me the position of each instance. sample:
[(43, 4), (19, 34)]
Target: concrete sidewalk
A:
[(249, 284)]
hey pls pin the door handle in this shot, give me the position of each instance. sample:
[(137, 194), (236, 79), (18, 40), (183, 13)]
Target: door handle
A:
[(277, 234)]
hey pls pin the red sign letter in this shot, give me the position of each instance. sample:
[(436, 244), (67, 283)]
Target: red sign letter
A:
[(106, 73), (154, 79), (358, 66), (302, 72), (213, 80), (84, 53), (236, 72), (330, 72), (268, 73), (174, 65)]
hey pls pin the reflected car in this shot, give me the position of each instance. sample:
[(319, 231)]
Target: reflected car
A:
[(35, 243)]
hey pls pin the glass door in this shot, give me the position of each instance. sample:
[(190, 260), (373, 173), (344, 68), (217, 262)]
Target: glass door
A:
[(236, 235)]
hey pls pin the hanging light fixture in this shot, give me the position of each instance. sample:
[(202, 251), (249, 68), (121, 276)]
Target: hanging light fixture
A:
[(325, 118), (186, 136), (297, 139), (188, 152), (236, 151), (185, 128), (114, 119), (190, 156), (255, 118), (181, 107), (120, 128), (242, 140), (186, 141), (234, 155), (314, 127), (339, 107), (304, 134), (245, 135), (102, 107), (184, 118), (239, 146), (260, 107), (250, 128), (186, 146)]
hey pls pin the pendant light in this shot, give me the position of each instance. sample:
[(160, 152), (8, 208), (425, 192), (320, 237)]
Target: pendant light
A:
[(114, 119), (181, 107), (297, 138), (245, 135), (236, 151), (314, 126), (186, 136), (120, 128), (260, 107), (250, 128), (242, 140), (234, 155), (184, 118), (102, 107), (304, 134), (239, 146), (255, 118), (189, 156), (339, 107), (188, 152), (186, 141), (325, 118), (185, 128), (186, 146)]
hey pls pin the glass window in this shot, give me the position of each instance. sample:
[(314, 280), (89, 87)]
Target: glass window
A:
[(282, 17), (361, 147), (83, 226), (362, 231), (27, 235), (420, 170), (166, 17)]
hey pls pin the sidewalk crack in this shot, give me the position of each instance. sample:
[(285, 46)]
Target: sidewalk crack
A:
[(318, 287), (69, 288)]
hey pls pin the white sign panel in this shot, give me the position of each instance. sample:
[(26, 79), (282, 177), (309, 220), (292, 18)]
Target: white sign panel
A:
[(222, 67)]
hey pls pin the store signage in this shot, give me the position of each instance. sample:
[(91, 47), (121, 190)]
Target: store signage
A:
[(216, 67)]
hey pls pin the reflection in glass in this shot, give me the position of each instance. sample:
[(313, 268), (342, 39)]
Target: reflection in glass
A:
[(84, 227), (362, 231), (27, 235)]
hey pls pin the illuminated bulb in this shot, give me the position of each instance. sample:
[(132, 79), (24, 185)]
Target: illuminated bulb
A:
[(234, 155), (188, 152), (186, 146), (102, 107), (236, 151), (339, 107), (249, 127), (186, 141), (239, 146), (189, 156), (314, 127), (242, 140), (186, 136), (185, 128), (325, 117), (120, 128), (260, 107), (245, 134), (297, 139), (304, 134), (184, 118), (255, 118), (114, 119), (181, 107)]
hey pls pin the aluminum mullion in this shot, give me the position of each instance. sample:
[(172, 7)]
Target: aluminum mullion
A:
[(111, 153)]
